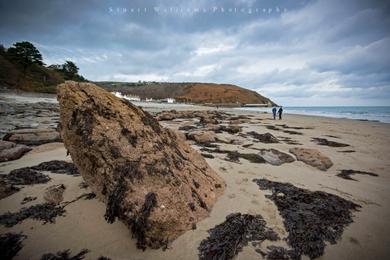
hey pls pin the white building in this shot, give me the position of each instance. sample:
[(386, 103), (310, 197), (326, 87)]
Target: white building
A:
[(127, 97), (170, 100)]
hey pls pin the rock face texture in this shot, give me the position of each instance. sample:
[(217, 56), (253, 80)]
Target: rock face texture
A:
[(312, 157), (149, 177)]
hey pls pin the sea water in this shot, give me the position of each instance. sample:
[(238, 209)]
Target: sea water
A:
[(371, 113)]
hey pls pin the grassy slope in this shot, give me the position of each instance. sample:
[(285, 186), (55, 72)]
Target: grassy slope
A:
[(37, 78), (191, 92)]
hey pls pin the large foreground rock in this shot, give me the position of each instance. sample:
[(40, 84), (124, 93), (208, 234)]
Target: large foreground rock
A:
[(312, 157), (149, 177)]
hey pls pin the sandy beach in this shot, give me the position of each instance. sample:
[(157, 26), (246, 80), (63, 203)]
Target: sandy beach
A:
[(83, 225)]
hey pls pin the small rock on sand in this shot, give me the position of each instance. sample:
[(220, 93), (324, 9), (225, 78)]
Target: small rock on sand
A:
[(10, 151), (33, 136), (312, 157), (275, 157), (54, 194)]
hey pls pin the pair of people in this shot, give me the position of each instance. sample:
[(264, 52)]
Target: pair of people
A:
[(280, 111)]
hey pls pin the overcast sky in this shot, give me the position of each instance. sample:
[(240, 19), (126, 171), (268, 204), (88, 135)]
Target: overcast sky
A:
[(297, 52)]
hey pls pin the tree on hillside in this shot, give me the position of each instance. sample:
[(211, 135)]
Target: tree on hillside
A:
[(2, 49), (70, 69), (25, 54)]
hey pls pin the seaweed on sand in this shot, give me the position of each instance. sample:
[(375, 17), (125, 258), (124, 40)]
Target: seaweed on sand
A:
[(280, 253), (10, 245), (46, 212), (25, 176), (65, 255), (346, 174), (310, 217), (264, 138), (228, 238), (234, 156), (324, 141), (7, 189), (57, 166)]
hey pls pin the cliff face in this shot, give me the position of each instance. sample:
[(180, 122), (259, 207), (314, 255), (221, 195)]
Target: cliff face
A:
[(190, 92)]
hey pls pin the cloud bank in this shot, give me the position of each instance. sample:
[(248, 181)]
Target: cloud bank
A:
[(322, 52)]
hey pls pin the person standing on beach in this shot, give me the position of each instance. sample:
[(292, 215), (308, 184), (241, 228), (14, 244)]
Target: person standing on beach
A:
[(274, 112), (280, 113)]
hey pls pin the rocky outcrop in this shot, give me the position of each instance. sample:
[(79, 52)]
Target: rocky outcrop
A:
[(10, 151), (149, 177), (202, 137), (312, 157), (33, 136), (275, 157)]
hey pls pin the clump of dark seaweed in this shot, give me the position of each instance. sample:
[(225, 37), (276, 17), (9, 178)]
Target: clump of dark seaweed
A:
[(140, 224), (57, 166), (65, 255), (207, 155), (228, 238), (294, 127), (311, 218), (347, 151), (25, 176), (187, 127), (115, 199), (264, 138), (271, 127), (324, 141), (28, 199), (280, 253), (10, 245), (346, 174), (46, 212), (288, 140), (103, 258), (7, 189), (234, 156)]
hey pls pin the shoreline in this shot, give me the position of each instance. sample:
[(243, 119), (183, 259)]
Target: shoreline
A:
[(22, 96), (83, 225)]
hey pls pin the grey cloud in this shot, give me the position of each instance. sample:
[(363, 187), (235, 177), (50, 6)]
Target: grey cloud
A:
[(324, 48)]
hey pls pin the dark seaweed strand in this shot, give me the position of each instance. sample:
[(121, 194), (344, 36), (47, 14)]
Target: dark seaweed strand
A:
[(227, 239), (46, 212), (311, 218), (65, 255), (10, 244), (139, 225)]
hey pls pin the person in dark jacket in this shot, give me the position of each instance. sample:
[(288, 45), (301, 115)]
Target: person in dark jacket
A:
[(274, 112), (280, 111)]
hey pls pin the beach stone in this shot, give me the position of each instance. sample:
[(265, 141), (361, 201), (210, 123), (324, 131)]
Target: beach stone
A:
[(312, 157), (148, 176), (275, 157), (10, 151), (54, 194), (33, 136), (202, 136)]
